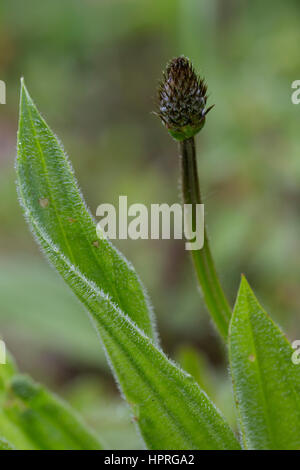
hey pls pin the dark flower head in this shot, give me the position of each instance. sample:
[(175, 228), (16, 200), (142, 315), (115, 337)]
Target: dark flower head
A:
[(182, 99)]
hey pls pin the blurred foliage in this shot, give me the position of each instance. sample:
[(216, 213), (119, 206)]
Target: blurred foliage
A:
[(32, 417), (93, 67)]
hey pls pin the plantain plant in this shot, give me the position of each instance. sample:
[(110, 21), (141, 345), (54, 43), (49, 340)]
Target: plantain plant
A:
[(169, 408)]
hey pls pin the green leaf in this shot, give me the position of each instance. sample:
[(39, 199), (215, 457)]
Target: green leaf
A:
[(168, 405), (33, 418), (5, 445), (265, 380), (53, 198), (8, 428), (45, 419)]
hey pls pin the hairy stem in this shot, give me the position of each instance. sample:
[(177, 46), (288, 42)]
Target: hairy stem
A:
[(214, 296)]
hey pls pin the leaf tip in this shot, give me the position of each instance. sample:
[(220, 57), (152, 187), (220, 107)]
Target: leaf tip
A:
[(23, 86), (243, 292), (24, 91), (244, 285)]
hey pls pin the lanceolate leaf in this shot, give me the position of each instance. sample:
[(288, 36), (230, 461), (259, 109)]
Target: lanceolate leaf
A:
[(33, 418), (168, 406), (265, 380), (52, 195), (45, 419), (8, 430)]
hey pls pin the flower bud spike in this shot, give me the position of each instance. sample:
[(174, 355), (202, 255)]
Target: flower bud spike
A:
[(182, 99)]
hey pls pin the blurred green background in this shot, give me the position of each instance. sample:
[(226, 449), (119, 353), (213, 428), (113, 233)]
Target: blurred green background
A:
[(92, 68)]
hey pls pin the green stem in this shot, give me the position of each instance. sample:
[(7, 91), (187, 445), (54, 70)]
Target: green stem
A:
[(214, 296)]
